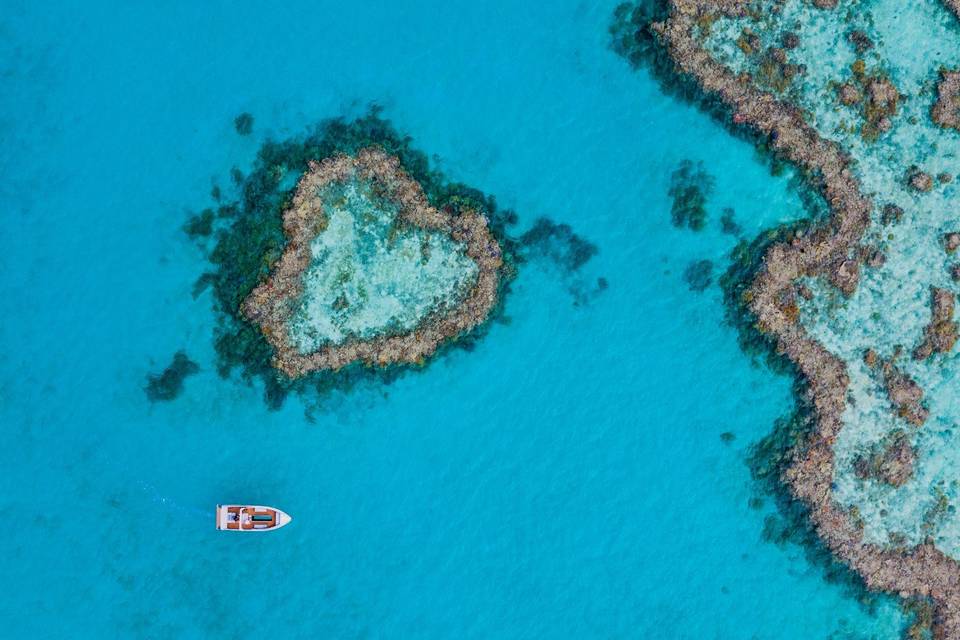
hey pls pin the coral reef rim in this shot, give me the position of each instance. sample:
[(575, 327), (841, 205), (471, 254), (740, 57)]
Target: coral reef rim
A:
[(861, 305)]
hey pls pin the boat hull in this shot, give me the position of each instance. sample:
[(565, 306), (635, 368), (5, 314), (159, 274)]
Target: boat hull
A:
[(250, 518)]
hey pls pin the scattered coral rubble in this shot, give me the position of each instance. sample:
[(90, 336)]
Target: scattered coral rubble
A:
[(946, 110)]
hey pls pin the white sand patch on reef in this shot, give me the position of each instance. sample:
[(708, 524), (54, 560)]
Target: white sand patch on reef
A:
[(371, 275)]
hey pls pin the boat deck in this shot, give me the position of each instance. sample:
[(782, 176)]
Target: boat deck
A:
[(249, 518)]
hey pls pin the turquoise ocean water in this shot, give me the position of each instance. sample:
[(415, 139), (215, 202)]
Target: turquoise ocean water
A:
[(566, 479)]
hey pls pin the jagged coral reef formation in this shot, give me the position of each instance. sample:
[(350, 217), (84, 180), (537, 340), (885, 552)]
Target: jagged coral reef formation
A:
[(841, 92), (372, 272)]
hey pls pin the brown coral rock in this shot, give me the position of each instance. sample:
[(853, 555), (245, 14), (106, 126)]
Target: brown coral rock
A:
[(919, 180), (883, 95), (790, 40), (872, 257), (940, 334), (849, 94), (946, 110), (904, 394), (845, 276), (951, 241), (891, 214), (861, 41), (891, 463)]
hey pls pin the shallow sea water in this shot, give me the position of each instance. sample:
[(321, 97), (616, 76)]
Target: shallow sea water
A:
[(565, 479)]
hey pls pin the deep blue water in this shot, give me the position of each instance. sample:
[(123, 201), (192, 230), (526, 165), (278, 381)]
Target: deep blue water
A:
[(566, 479)]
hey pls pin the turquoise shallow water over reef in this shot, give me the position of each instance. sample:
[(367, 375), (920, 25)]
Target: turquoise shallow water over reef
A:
[(581, 471)]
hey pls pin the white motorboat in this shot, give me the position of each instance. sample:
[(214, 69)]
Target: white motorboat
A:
[(241, 517)]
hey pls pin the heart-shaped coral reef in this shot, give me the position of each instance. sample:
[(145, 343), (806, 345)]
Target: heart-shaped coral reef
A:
[(372, 272)]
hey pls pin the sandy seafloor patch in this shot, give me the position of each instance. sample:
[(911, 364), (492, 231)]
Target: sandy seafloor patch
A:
[(565, 479)]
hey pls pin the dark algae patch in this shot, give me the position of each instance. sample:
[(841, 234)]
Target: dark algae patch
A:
[(558, 244), (728, 222), (248, 239), (243, 123), (200, 225), (698, 275), (168, 384), (690, 185)]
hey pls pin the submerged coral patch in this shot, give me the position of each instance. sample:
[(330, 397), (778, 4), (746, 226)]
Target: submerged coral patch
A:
[(243, 123), (889, 461), (690, 185), (371, 271), (168, 384), (558, 243), (698, 275)]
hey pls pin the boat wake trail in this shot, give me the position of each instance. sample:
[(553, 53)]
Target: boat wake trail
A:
[(172, 505)]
